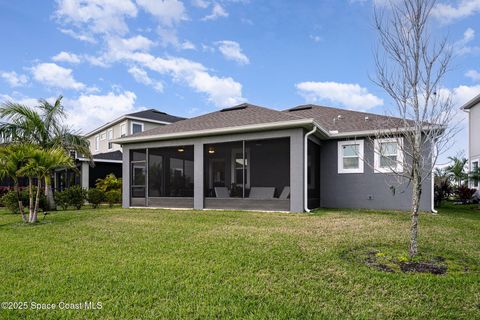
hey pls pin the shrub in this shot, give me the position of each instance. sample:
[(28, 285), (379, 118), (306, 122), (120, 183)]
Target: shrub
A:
[(113, 196), (76, 196), (110, 182), (95, 196), (464, 193), (9, 200), (62, 199), (443, 189)]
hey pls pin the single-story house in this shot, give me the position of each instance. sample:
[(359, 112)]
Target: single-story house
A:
[(254, 158)]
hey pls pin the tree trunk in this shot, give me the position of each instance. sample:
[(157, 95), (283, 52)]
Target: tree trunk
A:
[(30, 200), (416, 195), (20, 204), (37, 201), (49, 193)]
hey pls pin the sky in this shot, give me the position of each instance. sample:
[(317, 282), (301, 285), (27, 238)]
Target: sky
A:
[(190, 57)]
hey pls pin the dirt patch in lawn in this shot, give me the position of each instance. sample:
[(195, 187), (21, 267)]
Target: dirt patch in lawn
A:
[(384, 260)]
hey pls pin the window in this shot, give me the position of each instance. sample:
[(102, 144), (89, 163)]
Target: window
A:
[(137, 127), (388, 155), (103, 135), (475, 171), (110, 137), (123, 129), (350, 156), (97, 143)]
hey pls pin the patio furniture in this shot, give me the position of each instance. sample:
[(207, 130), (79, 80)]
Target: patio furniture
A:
[(285, 193), (222, 192), (262, 192)]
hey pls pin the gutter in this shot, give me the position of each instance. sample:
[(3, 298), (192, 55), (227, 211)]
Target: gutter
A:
[(305, 169)]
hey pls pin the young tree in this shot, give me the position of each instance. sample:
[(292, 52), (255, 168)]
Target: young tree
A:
[(12, 159), (39, 164), (43, 127), (410, 68)]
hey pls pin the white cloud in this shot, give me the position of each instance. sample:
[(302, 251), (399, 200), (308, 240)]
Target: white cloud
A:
[(348, 95), (66, 57), (90, 111), (200, 4), (463, 93), (315, 38), (51, 74), (78, 35), (119, 48), (21, 99), (217, 12), (473, 74), (447, 12), (463, 46), (168, 12), (221, 91), (14, 79), (141, 76), (97, 16), (231, 51)]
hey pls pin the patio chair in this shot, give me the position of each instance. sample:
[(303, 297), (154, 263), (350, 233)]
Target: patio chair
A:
[(285, 193), (262, 192), (222, 192)]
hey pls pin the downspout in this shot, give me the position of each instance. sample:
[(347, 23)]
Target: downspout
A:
[(433, 185), (305, 169)]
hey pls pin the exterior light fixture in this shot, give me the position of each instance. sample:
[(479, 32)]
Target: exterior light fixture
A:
[(180, 149), (211, 150)]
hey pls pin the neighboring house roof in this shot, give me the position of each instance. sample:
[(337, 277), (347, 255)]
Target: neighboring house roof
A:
[(248, 117), (150, 115), (113, 156), (470, 104)]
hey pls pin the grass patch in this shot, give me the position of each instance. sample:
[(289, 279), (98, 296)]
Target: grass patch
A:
[(153, 264)]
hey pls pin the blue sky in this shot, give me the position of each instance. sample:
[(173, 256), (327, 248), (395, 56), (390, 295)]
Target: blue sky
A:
[(110, 57)]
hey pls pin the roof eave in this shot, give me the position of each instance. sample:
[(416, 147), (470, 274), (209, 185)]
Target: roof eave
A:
[(470, 104), (229, 130)]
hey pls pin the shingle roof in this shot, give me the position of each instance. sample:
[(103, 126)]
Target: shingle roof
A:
[(241, 115), (341, 120), (330, 119), (114, 155), (153, 114)]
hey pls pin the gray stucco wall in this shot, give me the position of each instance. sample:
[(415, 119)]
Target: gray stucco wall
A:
[(354, 190)]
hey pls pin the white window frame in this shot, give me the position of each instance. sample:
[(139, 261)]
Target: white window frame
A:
[(340, 156), (376, 159), (97, 142), (123, 129), (110, 134), (103, 135), (139, 123), (471, 166)]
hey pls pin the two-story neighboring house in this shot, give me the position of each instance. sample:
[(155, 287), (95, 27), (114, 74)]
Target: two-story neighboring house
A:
[(107, 156), (472, 107)]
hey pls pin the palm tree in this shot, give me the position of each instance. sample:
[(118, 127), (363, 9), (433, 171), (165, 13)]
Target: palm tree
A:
[(12, 158), (40, 163), (43, 127), (457, 169)]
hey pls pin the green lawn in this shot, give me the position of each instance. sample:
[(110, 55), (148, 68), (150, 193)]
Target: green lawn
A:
[(150, 264)]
